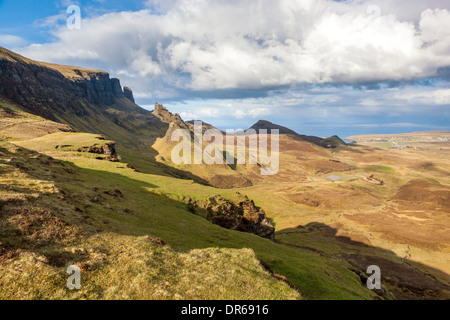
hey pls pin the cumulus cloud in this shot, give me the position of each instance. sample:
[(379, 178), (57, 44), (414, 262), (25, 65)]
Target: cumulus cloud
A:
[(8, 40), (311, 65), (198, 45)]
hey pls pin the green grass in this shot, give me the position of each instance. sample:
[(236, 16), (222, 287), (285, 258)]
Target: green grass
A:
[(125, 267), (379, 168), (71, 141), (148, 206)]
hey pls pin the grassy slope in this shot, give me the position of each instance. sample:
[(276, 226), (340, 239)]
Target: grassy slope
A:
[(150, 213), (54, 214), (153, 205), (16, 124)]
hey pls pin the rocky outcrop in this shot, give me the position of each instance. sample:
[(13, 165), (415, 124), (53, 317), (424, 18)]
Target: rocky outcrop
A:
[(244, 216), (167, 117), (108, 149), (48, 90), (116, 88), (128, 94)]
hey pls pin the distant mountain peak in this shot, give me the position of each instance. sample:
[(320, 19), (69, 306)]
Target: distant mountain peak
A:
[(267, 125), (332, 142)]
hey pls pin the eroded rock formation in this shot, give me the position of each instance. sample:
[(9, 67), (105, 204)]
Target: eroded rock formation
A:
[(244, 216)]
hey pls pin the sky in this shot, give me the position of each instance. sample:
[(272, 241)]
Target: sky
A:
[(319, 67)]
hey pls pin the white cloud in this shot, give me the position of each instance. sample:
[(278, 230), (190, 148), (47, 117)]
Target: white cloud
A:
[(8, 40), (260, 44), (426, 97), (237, 112)]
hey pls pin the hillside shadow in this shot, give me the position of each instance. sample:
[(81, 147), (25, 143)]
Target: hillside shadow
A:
[(21, 220), (148, 164), (432, 167), (404, 279), (352, 148)]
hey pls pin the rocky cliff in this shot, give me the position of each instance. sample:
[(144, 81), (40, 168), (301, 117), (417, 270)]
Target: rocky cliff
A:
[(49, 90), (88, 100)]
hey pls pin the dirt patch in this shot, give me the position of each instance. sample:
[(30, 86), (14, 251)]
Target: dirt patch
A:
[(8, 252), (156, 240), (62, 258)]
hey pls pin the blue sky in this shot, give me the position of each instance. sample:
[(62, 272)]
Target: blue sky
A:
[(319, 67), (25, 18)]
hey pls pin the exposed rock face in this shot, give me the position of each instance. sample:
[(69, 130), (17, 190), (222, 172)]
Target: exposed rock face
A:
[(244, 216), (117, 88), (128, 93), (46, 89), (108, 149), (167, 117), (205, 126)]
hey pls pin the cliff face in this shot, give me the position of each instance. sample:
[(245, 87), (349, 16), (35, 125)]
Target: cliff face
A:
[(88, 100), (128, 93), (46, 89)]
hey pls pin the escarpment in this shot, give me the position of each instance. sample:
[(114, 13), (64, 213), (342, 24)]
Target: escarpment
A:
[(50, 90)]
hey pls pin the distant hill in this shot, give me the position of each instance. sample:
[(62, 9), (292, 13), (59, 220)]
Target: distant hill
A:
[(331, 142), (267, 125)]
